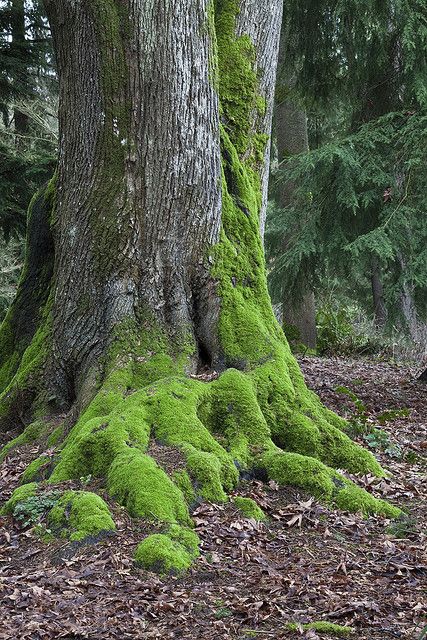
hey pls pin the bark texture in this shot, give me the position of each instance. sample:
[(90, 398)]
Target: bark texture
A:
[(139, 174)]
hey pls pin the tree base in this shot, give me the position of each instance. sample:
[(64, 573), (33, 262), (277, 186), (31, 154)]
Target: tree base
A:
[(263, 421)]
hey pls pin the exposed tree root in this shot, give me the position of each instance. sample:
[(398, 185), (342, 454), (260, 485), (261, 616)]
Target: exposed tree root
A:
[(262, 420)]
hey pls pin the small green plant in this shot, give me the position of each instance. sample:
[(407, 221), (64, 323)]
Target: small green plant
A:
[(411, 457), (223, 612), (380, 440), (359, 420), (403, 528), (336, 334), (30, 511), (392, 414)]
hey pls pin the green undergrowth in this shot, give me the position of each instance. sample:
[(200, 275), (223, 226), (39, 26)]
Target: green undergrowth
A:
[(323, 627)]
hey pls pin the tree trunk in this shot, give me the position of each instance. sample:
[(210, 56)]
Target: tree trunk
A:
[(160, 340), (416, 328), (380, 311), (292, 138), (19, 51)]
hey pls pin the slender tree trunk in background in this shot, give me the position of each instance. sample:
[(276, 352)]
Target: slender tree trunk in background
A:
[(380, 311), (416, 328), (158, 325), (292, 138), (19, 51)]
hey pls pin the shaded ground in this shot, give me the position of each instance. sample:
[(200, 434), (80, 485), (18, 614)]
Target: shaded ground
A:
[(306, 564)]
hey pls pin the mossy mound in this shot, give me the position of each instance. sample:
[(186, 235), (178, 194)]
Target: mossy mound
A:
[(249, 508), (19, 495), (323, 627), (79, 515), (75, 515), (172, 552)]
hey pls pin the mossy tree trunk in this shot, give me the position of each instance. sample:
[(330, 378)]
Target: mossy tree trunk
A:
[(156, 323)]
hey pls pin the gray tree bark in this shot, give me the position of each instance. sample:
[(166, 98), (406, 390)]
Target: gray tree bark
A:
[(139, 179)]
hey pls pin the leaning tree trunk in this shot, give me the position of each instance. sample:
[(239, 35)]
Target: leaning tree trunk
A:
[(292, 139), (157, 330)]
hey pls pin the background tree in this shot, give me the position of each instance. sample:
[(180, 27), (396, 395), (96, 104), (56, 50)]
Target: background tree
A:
[(28, 136), (143, 312), (361, 64), (298, 306)]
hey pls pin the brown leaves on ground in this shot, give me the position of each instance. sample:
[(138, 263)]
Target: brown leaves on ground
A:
[(305, 564)]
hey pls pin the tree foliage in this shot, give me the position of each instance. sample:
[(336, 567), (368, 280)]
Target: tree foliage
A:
[(28, 110), (361, 191)]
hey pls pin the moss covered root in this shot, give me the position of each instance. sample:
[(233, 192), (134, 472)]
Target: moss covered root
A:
[(79, 515), (75, 515), (249, 508), (170, 552)]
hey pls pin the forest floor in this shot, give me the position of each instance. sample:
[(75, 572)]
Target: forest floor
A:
[(307, 563)]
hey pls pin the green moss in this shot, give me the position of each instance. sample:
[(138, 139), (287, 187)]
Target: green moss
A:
[(28, 375), (323, 482), (137, 482), (236, 415), (80, 514), (350, 499), (205, 468), (97, 440), (172, 408), (56, 436), (238, 81), (186, 537), (30, 434), (183, 482), (323, 627), (249, 508), (164, 555), (34, 471), (19, 495)]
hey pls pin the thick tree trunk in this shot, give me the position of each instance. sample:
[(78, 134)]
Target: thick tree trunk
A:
[(158, 327), (139, 198), (292, 138)]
